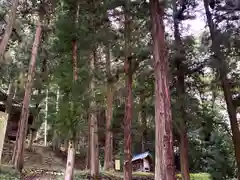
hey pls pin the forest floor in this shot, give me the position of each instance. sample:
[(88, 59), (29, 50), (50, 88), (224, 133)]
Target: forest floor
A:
[(8, 173), (44, 164)]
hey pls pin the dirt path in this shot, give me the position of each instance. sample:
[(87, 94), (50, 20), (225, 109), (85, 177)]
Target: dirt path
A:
[(41, 157), (41, 174)]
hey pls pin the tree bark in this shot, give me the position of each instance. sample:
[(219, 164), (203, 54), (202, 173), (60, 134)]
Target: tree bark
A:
[(94, 151), (22, 129), (225, 85), (55, 139), (184, 154), (31, 137), (128, 123), (164, 168), (179, 61), (43, 77), (129, 99), (142, 119), (70, 160), (108, 158), (75, 69), (9, 28), (89, 142), (183, 127)]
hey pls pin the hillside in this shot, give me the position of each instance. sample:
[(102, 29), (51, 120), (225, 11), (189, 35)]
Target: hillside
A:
[(41, 157)]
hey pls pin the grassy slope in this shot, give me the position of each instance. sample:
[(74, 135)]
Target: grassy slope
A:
[(139, 176)]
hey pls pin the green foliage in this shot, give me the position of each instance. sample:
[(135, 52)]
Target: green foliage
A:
[(7, 174), (197, 176), (71, 119), (220, 156), (210, 145)]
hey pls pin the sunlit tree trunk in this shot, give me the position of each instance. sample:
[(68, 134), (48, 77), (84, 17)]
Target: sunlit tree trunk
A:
[(46, 116), (22, 128), (108, 157), (222, 68), (70, 160), (94, 149), (55, 138), (15, 92), (164, 168), (9, 28)]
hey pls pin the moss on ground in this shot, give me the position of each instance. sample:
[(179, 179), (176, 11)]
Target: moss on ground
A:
[(8, 174), (197, 176)]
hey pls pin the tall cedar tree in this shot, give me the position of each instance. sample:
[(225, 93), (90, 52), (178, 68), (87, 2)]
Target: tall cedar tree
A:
[(164, 168), (108, 156), (214, 33), (22, 128), (9, 28), (72, 144), (43, 77), (94, 149), (129, 97), (142, 118), (179, 61)]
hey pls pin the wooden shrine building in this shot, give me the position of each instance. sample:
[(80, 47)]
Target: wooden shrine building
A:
[(143, 162), (13, 120)]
